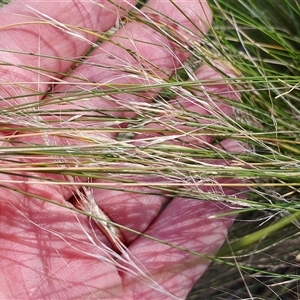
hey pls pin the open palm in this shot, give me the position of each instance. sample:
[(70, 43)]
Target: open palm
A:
[(48, 251)]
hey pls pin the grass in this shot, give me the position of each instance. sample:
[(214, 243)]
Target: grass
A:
[(259, 40)]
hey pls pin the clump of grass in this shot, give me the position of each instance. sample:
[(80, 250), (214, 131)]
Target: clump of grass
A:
[(258, 41)]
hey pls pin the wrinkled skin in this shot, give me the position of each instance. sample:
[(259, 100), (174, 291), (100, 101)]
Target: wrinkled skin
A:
[(44, 251)]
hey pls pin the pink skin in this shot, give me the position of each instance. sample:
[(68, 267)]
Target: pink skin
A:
[(43, 249)]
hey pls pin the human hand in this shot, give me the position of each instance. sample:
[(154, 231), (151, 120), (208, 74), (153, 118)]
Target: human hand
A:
[(51, 252)]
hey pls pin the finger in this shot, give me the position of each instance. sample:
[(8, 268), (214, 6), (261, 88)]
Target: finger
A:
[(192, 225), (207, 107), (138, 54), (188, 224), (41, 40)]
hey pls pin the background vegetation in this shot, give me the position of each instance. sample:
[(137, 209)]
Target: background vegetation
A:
[(261, 40)]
